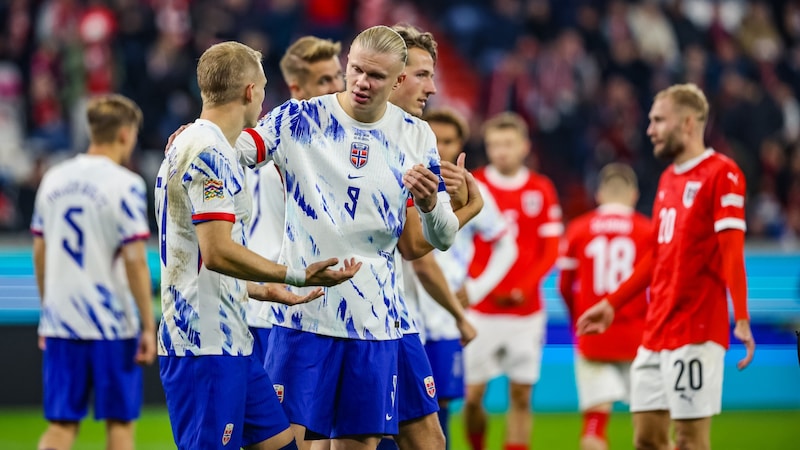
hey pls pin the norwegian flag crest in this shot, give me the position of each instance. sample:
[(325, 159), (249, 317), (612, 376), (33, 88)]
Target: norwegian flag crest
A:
[(359, 154), (226, 435), (278, 391), (430, 386)]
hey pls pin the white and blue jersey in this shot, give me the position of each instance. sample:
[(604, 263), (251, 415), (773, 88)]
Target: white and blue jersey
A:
[(344, 197), (490, 225), (204, 312), (86, 209), (265, 233)]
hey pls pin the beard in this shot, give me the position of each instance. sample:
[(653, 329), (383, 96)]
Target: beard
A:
[(671, 148)]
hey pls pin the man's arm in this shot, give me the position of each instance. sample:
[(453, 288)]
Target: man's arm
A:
[(432, 279), (223, 255), (134, 256), (731, 244), (38, 264), (504, 253)]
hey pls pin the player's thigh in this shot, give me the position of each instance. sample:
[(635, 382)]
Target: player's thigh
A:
[(416, 385), (118, 387), (66, 376), (481, 362), (366, 399), (522, 359), (600, 382), (264, 418), (647, 382), (206, 399), (304, 368), (447, 361), (693, 380)]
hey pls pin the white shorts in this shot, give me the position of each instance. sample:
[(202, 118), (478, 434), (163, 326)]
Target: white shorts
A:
[(506, 344), (601, 382), (686, 381)]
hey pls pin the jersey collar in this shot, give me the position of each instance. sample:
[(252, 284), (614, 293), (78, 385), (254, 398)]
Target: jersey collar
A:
[(615, 208), (511, 183), (692, 163)]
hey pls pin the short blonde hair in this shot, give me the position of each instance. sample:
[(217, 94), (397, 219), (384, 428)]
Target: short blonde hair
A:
[(687, 96), (618, 171), (305, 51), (383, 39), (450, 117), (106, 114), (507, 120), (416, 38), (224, 70)]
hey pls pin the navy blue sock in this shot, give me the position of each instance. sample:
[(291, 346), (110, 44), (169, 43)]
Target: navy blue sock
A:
[(444, 419), (387, 444)]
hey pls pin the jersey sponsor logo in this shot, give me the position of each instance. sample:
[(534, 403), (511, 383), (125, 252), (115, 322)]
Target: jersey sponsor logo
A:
[(213, 189), (278, 391), (690, 192), (532, 202), (359, 154), (226, 435), (430, 386)]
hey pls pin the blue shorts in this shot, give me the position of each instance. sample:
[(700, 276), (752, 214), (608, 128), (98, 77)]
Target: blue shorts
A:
[(220, 402), (72, 369), (260, 336), (447, 361), (335, 387), (416, 388)]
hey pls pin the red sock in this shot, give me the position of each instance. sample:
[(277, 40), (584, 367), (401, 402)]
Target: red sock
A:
[(516, 446), (476, 440), (594, 424)]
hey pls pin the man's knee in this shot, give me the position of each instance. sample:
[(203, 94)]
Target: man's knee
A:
[(520, 396)]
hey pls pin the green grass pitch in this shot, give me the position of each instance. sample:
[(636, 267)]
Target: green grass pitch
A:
[(762, 430)]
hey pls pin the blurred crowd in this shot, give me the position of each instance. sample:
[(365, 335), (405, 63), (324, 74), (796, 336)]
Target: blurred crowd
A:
[(581, 72)]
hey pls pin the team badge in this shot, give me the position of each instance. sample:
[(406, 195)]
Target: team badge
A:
[(213, 189), (226, 435), (359, 153), (532, 203), (690, 192), (278, 391), (430, 386)]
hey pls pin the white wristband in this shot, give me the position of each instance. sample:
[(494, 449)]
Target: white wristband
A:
[(295, 277)]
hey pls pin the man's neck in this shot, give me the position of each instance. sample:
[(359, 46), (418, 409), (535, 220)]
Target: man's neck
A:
[(229, 118), (690, 152), (110, 151), (367, 117)]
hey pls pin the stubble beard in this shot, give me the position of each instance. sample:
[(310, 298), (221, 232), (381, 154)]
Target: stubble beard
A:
[(671, 148)]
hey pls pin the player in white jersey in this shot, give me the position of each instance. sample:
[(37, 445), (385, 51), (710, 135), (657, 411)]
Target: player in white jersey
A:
[(443, 344), (349, 162), (217, 392), (310, 67), (90, 227), (417, 384)]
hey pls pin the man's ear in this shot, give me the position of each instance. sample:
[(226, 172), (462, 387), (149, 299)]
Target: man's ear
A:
[(248, 92), (400, 79), (294, 90)]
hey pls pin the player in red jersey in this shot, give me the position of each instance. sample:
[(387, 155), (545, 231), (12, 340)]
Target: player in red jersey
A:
[(697, 260), (598, 253), (510, 320)]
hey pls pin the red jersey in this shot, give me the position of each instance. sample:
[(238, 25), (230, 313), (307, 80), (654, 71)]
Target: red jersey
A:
[(688, 293), (598, 253), (530, 205)]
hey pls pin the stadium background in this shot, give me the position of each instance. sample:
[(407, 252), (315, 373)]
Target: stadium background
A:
[(581, 72)]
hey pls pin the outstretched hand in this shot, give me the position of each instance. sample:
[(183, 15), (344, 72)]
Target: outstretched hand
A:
[(321, 274), (277, 292), (423, 185), (596, 319), (743, 333), (455, 181)]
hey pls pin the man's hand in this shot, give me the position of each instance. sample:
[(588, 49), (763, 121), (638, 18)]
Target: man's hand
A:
[(596, 319), (320, 274), (743, 333), (468, 332), (455, 180), (474, 196), (146, 353), (277, 292), (174, 135), (42, 343), (423, 185)]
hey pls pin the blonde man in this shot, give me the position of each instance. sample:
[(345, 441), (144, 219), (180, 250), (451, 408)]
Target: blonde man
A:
[(218, 395), (699, 210), (350, 161), (90, 226), (311, 67)]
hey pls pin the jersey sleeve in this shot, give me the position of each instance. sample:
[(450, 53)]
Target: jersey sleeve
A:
[(257, 146), (432, 160), (211, 183), (728, 201), (567, 253), (132, 222), (551, 226), (490, 223)]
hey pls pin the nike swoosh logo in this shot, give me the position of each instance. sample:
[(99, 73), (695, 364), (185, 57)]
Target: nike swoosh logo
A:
[(353, 177), (388, 417)]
